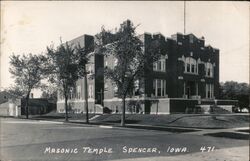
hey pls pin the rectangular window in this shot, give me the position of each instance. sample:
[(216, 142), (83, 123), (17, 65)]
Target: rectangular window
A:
[(162, 88), (159, 87), (193, 68), (196, 89), (206, 90), (163, 64), (188, 67), (78, 92), (209, 91), (159, 65), (212, 90), (209, 70), (90, 91), (154, 87)]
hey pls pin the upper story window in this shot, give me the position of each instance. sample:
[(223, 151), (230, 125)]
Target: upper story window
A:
[(160, 65), (191, 65), (209, 69)]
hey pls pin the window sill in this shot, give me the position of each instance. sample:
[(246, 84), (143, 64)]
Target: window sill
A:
[(159, 96), (191, 73), (163, 71)]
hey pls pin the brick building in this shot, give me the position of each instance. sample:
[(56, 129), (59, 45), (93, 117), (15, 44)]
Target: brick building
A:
[(186, 74)]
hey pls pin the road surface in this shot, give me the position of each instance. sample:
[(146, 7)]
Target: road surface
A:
[(26, 140)]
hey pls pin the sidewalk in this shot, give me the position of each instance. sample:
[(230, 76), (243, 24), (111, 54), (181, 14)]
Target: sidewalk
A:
[(241, 133), (233, 133)]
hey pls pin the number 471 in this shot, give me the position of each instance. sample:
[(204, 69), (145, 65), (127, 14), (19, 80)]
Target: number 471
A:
[(207, 148)]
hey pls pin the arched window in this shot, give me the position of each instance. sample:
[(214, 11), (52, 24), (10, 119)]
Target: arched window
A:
[(160, 65), (191, 65)]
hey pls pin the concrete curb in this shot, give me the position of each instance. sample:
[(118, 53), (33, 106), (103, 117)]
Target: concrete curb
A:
[(46, 121), (190, 130)]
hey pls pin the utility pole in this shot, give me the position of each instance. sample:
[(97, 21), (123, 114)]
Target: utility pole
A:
[(86, 96)]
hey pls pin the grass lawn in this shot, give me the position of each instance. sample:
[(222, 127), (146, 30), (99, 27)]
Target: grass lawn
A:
[(60, 116), (181, 120), (205, 121), (230, 135)]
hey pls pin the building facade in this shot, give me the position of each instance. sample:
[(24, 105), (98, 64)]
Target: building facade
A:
[(186, 73)]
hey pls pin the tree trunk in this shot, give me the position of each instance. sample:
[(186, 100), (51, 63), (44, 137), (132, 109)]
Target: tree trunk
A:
[(66, 108), (86, 97), (27, 105), (123, 112)]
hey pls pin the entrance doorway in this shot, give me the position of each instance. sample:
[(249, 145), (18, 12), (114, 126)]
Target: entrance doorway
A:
[(191, 89)]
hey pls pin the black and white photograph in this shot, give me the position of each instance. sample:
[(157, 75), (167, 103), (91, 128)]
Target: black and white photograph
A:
[(124, 80)]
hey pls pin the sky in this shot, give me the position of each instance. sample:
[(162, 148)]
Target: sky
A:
[(30, 26)]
